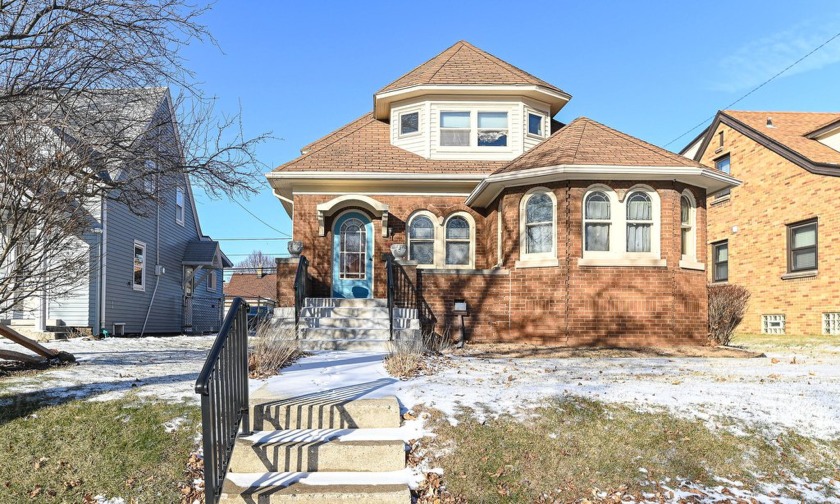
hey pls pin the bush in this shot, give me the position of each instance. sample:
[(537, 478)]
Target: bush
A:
[(275, 347), (727, 305), (406, 357)]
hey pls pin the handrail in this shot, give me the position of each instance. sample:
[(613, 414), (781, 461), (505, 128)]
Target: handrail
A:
[(223, 386), (403, 293), (301, 287)]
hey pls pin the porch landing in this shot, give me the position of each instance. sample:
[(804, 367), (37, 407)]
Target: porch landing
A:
[(353, 324)]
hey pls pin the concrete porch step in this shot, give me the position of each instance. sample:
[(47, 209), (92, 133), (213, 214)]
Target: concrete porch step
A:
[(320, 450), (345, 311), (349, 333), (352, 345), (346, 303), (319, 487), (324, 412), (357, 322)]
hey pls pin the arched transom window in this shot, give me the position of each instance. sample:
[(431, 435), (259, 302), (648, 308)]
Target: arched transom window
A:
[(457, 247), (597, 222), (421, 240)]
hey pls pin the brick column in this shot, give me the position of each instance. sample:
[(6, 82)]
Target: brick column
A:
[(286, 270)]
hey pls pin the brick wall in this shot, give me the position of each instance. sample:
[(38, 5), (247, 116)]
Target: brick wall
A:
[(775, 193), (564, 305)]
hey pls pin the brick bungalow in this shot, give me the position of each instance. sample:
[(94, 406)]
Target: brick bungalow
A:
[(779, 233), (571, 234)]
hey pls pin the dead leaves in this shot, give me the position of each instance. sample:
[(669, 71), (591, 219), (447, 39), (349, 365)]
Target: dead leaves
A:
[(192, 492)]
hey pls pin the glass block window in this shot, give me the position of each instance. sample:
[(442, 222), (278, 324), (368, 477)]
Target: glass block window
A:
[(409, 123), (455, 129), (831, 323), (539, 224), (639, 222), (772, 324), (421, 240), (457, 242), (492, 129), (596, 217)]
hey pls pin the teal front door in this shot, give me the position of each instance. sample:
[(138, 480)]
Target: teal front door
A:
[(352, 256)]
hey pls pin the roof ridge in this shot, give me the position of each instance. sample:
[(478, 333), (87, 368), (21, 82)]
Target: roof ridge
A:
[(497, 61), (580, 137), (638, 141), (460, 43), (386, 86)]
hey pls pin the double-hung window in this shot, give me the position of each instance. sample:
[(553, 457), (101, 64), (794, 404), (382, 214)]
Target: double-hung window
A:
[(211, 281), (802, 246), (465, 129), (139, 280), (539, 224), (455, 128), (687, 245), (639, 222), (458, 243), (596, 216), (492, 129), (720, 261), (722, 164), (179, 206), (421, 240)]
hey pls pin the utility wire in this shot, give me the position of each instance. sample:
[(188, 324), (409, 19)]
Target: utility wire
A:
[(282, 233), (251, 239), (704, 121)]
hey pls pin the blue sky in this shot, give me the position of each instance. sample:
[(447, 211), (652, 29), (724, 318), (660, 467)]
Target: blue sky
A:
[(652, 69)]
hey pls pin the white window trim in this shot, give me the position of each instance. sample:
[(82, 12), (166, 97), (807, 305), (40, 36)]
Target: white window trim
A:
[(182, 206), (471, 222), (436, 239), (211, 275), (142, 286), (689, 260), (401, 113), (618, 255), (473, 146), (539, 259), (527, 123)]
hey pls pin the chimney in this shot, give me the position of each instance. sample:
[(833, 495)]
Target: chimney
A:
[(260, 272)]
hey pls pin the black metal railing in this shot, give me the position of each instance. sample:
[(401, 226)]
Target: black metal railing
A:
[(301, 288), (223, 386), (403, 293)]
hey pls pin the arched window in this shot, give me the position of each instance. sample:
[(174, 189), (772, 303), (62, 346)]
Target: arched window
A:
[(597, 222), (458, 243), (539, 224), (686, 227), (639, 222), (421, 240), (352, 249)]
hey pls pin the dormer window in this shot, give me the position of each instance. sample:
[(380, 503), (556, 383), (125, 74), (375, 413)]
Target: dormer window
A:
[(535, 124), (457, 129), (409, 123)]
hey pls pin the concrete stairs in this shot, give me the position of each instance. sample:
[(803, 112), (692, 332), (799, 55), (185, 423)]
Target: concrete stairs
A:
[(320, 449), (352, 324), (26, 327)]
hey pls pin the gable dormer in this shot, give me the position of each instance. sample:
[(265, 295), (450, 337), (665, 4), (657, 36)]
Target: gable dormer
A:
[(466, 104)]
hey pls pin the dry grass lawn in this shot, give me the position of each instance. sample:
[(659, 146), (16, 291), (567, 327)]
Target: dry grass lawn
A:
[(521, 350)]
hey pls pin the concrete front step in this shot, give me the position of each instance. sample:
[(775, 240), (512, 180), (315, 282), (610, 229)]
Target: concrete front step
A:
[(324, 412), (350, 333), (346, 303), (345, 311), (319, 450), (358, 322), (317, 488), (351, 345)]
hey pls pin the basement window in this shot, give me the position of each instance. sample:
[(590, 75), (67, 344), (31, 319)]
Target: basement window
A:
[(772, 324)]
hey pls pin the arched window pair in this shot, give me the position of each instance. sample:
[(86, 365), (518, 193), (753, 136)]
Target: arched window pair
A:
[(612, 228), (457, 249)]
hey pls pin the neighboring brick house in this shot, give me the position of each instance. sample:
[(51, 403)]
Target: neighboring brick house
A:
[(462, 161), (779, 233), (258, 289)]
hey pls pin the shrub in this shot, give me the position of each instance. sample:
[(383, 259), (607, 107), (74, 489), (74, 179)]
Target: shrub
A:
[(406, 357), (275, 347), (727, 305)]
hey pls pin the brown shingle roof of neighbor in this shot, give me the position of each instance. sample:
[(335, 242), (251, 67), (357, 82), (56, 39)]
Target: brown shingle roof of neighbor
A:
[(251, 285), (463, 63), (587, 142), (791, 129), (364, 145)]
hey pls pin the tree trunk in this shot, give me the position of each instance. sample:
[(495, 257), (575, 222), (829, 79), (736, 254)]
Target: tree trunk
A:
[(20, 357), (34, 346)]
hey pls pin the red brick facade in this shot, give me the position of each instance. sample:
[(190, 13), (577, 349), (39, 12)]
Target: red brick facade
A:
[(566, 304)]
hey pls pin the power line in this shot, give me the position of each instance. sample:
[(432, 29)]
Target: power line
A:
[(282, 233), (252, 239), (758, 87)]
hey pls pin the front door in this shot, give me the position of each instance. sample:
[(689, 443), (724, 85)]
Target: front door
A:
[(352, 256)]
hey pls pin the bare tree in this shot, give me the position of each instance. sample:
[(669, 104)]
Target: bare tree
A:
[(256, 261), (86, 114)]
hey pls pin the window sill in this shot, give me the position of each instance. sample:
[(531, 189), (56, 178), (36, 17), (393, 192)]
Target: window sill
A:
[(800, 274), (538, 263), (623, 262), (722, 199), (692, 265), (137, 288), (466, 271)]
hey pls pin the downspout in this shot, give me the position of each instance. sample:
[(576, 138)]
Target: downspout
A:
[(157, 263), (103, 262)]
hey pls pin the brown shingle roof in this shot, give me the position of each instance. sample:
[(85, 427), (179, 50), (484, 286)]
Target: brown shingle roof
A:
[(588, 142), (791, 130), (251, 285), (364, 145), (463, 63)]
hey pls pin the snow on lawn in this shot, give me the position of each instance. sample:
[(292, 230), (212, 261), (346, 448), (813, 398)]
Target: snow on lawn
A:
[(772, 393), (155, 367)]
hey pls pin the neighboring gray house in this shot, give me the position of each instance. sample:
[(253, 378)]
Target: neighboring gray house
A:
[(151, 274)]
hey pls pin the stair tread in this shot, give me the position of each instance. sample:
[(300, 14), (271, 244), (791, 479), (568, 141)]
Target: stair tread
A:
[(323, 479), (320, 435)]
